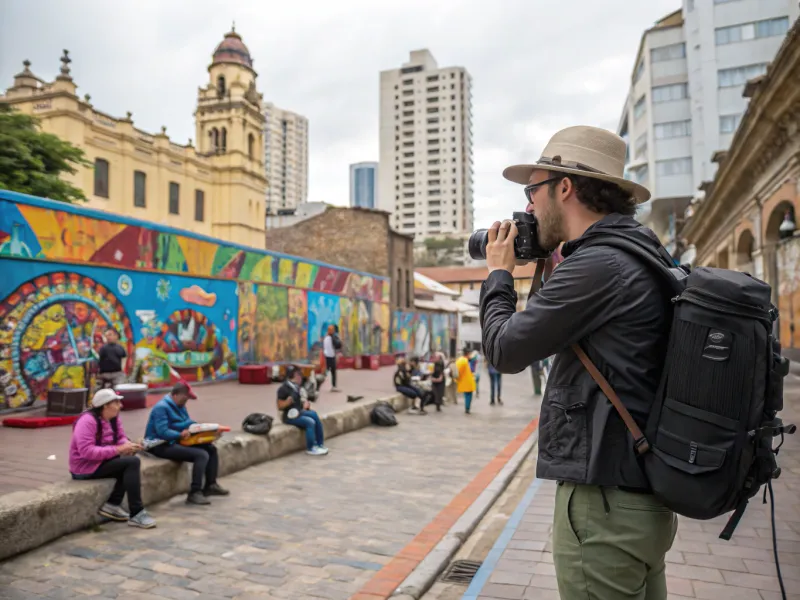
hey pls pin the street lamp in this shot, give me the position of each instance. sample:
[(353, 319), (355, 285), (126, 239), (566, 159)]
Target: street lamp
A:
[(787, 228)]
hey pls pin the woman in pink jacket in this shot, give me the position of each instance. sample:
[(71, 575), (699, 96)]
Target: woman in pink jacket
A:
[(99, 449)]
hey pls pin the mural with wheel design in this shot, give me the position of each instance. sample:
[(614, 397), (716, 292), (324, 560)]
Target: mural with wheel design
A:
[(51, 328)]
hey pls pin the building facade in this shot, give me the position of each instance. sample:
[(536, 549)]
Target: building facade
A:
[(756, 191), (212, 187), (285, 158), (364, 184), (363, 240), (685, 100), (426, 173)]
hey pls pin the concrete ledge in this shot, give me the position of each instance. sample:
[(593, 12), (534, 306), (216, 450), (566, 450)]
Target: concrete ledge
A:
[(31, 518)]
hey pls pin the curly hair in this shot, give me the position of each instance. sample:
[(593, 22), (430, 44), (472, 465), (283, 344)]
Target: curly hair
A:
[(600, 196)]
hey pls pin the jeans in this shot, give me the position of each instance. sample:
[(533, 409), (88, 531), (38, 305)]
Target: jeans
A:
[(477, 376), (408, 391), (126, 470), (330, 365), (614, 552), (203, 457), (467, 400), (495, 381), (309, 421)]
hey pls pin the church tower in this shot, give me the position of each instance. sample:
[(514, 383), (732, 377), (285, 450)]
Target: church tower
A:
[(230, 130)]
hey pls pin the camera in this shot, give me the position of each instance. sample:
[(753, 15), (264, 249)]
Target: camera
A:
[(526, 244)]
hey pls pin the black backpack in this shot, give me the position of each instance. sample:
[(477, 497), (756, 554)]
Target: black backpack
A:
[(707, 447), (337, 341), (257, 423), (383, 415)]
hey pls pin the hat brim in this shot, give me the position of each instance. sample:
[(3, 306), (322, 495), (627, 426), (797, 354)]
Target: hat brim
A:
[(521, 174)]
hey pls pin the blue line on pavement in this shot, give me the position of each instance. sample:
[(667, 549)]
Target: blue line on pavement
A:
[(499, 547)]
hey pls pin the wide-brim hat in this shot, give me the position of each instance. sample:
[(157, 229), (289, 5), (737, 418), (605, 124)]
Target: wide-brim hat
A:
[(586, 151)]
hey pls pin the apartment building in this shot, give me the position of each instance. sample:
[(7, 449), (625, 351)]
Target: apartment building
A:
[(686, 98), (363, 184), (285, 158), (426, 168)]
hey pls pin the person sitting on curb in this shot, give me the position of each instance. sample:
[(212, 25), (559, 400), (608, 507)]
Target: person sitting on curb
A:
[(99, 449), (297, 412), (402, 383), (169, 421)]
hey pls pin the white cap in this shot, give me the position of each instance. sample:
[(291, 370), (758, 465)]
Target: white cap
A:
[(103, 397)]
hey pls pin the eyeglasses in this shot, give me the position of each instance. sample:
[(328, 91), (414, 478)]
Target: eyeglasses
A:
[(530, 189)]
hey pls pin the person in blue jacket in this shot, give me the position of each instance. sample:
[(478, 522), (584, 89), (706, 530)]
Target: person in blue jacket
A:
[(169, 421)]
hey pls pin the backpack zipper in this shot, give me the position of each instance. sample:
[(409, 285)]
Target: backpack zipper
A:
[(714, 302)]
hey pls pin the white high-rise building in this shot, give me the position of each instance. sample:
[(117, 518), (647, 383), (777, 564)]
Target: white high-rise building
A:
[(364, 184), (285, 158), (426, 169), (687, 97)]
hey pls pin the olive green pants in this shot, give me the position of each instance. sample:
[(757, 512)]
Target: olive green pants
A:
[(613, 551)]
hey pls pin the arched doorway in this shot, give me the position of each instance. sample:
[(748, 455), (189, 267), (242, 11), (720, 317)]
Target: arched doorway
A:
[(744, 251)]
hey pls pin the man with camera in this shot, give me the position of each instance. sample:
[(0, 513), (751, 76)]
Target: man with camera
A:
[(610, 534)]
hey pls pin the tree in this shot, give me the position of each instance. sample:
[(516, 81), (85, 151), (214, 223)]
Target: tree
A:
[(31, 161)]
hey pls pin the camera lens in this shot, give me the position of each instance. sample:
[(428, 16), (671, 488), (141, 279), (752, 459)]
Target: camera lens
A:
[(477, 244)]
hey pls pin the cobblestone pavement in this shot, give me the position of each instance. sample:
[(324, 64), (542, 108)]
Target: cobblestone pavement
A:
[(700, 565), (25, 452), (297, 527)]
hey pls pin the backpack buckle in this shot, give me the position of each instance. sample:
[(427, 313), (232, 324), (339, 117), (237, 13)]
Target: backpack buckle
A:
[(642, 446)]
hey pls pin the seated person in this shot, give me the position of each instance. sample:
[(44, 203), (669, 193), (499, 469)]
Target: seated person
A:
[(169, 421), (99, 449), (402, 383), (297, 412)]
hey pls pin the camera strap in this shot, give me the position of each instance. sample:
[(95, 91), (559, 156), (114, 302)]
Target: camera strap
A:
[(639, 441)]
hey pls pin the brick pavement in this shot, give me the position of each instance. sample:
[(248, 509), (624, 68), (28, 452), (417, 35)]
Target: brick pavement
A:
[(700, 565), (297, 527), (25, 452)]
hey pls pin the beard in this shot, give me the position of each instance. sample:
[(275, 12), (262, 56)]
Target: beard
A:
[(551, 224)]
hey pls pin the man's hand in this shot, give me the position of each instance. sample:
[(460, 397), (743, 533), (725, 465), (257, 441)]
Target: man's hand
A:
[(500, 246), (185, 434)]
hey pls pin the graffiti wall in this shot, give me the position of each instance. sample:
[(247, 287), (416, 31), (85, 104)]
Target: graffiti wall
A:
[(181, 303)]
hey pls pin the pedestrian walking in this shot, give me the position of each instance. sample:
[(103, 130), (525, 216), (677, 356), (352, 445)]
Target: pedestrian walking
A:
[(465, 379)]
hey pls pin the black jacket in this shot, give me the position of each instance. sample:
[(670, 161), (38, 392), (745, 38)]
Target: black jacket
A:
[(402, 378), (611, 303)]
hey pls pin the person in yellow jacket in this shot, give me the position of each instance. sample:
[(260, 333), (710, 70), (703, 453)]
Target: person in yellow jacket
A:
[(465, 379)]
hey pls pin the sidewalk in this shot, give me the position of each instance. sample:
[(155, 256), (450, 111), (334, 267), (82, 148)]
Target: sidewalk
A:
[(25, 465), (700, 565), (298, 527)]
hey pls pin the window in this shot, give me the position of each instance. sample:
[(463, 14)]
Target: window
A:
[(739, 75), (408, 289), (639, 70), (673, 129), (640, 147), (671, 52), (199, 205), (399, 288), (668, 93), (220, 86), (101, 177), (751, 31), (639, 108), (729, 123), (675, 166), (251, 144), (224, 140), (139, 183), (641, 175), (174, 198)]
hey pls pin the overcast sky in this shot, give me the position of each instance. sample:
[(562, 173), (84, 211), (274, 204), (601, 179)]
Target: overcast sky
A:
[(536, 65)]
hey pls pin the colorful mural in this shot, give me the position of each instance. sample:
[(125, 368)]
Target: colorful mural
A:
[(183, 305), (32, 231)]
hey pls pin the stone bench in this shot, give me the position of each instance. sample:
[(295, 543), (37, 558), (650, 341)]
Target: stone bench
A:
[(31, 518)]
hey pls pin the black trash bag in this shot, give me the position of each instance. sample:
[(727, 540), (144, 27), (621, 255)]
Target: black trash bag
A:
[(383, 415), (257, 423)]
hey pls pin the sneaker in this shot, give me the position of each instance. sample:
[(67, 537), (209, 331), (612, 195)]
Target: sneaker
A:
[(215, 489), (114, 512), (324, 449), (197, 498), (500, 402), (316, 451), (335, 389), (413, 410), (142, 520)]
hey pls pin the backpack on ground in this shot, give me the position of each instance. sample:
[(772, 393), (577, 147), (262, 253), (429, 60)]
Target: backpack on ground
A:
[(383, 415), (257, 423), (707, 447)]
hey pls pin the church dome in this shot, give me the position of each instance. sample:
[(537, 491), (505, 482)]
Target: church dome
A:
[(232, 50)]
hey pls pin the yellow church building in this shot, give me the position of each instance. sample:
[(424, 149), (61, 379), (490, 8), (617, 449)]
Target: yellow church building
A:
[(216, 186)]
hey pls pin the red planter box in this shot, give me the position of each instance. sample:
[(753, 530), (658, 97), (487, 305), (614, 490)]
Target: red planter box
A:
[(346, 362), (255, 374), (387, 360), (370, 361)]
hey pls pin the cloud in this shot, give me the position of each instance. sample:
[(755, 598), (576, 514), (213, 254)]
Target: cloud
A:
[(536, 66)]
